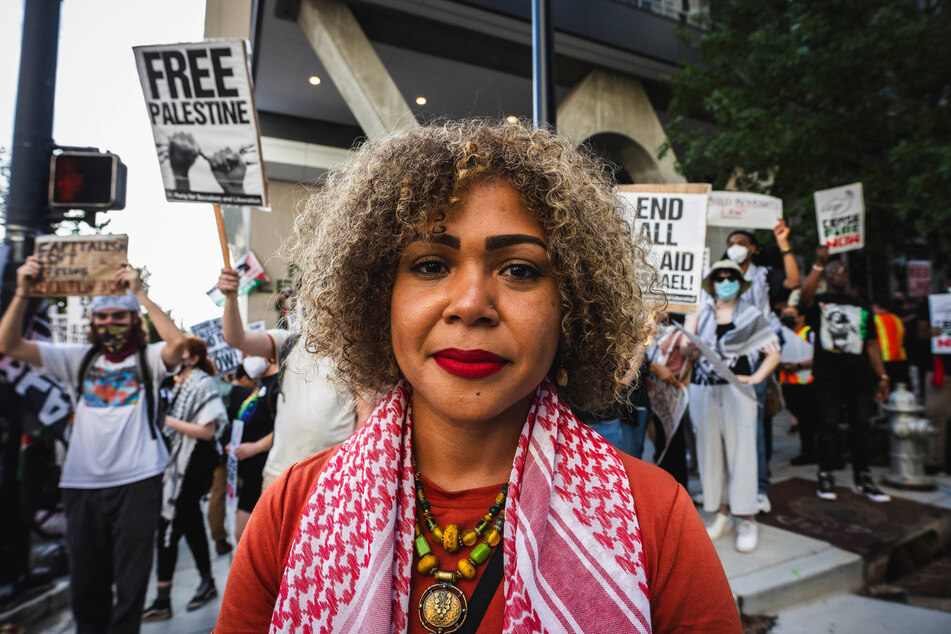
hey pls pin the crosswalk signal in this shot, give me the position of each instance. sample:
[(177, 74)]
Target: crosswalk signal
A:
[(88, 180)]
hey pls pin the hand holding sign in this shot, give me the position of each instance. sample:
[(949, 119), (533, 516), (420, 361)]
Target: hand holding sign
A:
[(228, 282), (28, 274)]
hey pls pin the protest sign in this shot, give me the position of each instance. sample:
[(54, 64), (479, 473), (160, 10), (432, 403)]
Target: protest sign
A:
[(919, 278), (674, 217), (940, 306), (721, 368), (79, 265), (744, 210), (225, 357), (200, 104), (840, 215), (252, 276), (231, 487), (669, 404)]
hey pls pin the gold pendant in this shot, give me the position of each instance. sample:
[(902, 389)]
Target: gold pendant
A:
[(442, 608)]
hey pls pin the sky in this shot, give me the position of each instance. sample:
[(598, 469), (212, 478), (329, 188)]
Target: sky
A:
[(99, 103)]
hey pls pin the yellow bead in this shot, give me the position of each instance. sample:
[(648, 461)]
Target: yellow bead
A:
[(450, 538), (437, 533), (427, 564), (466, 569), (469, 538), (493, 537)]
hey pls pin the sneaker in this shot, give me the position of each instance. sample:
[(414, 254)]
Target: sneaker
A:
[(205, 593), (747, 536), (825, 487), (721, 525), (762, 503), (697, 498), (223, 547), (866, 486), (158, 611)]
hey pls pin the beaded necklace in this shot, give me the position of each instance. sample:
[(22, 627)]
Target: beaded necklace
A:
[(442, 608)]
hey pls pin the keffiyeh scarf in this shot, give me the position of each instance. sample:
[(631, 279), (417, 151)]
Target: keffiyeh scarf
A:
[(751, 334), (572, 545)]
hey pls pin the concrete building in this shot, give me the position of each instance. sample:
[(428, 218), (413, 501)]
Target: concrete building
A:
[(329, 73)]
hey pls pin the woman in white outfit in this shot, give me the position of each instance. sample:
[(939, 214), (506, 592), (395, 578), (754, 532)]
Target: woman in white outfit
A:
[(724, 414)]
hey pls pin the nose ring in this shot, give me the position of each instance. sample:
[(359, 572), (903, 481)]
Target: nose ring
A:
[(491, 306)]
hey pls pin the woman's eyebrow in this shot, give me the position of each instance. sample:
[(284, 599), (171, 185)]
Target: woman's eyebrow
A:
[(507, 240), (439, 238)]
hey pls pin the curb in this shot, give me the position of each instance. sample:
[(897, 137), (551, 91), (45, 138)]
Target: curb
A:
[(43, 605)]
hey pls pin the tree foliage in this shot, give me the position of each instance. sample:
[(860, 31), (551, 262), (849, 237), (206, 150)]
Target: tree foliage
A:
[(811, 94)]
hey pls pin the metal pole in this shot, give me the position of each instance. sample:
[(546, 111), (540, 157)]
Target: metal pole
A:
[(32, 136), (543, 65)]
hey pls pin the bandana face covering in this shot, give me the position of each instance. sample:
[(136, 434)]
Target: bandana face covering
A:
[(113, 338)]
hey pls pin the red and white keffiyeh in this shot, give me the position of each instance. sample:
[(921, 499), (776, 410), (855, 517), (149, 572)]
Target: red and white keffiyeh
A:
[(573, 553)]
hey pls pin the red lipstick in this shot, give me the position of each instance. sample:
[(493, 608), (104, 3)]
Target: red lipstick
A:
[(469, 364)]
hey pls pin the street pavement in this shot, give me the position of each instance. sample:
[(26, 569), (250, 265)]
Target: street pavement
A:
[(807, 584)]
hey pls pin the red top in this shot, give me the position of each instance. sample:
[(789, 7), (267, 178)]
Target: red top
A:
[(688, 589)]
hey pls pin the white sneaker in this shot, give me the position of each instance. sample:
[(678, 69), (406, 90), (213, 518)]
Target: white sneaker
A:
[(721, 525), (747, 536), (762, 503)]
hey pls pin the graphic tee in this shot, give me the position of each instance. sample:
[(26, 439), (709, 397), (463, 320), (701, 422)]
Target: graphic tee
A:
[(111, 442), (842, 324)]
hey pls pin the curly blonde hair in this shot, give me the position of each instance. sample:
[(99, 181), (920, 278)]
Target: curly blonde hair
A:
[(351, 233)]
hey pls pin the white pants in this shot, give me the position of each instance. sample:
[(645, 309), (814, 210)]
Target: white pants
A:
[(725, 425)]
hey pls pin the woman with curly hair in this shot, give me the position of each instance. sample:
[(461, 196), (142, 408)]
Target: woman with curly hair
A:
[(483, 276), (195, 412)]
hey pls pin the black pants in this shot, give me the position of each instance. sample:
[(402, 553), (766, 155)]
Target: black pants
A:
[(189, 522), (109, 537), (801, 402), (854, 399)]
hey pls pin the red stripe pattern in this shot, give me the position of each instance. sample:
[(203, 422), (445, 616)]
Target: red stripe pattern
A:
[(573, 554)]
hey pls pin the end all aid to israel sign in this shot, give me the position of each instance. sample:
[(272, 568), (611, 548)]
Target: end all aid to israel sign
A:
[(840, 216), (200, 104), (674, 217)]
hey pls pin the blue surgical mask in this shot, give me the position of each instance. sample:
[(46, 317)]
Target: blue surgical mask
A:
[(727, 289)]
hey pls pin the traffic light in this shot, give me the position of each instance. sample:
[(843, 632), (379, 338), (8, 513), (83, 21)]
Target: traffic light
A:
[(88, 180)]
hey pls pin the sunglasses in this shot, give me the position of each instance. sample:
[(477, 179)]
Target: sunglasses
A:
[(727, 277)]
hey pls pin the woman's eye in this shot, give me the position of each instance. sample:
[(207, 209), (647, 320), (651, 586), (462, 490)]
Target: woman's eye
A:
[(429, 267), (521, 271)]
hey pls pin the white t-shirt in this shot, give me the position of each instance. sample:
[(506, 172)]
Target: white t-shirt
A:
[(311, 414), (111, 443)]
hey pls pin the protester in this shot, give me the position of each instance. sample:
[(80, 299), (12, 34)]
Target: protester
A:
[(846, 356), (242, 386), (798, 392), (257, 413), (937, 398), (767, 286), (312, 415), (112, 476), (671, 453), (460, 266), (195, 412), (725, 415), (890, 331)]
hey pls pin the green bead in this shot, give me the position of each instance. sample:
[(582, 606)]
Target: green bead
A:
[(481, 526), (422, 546), (480, 553)]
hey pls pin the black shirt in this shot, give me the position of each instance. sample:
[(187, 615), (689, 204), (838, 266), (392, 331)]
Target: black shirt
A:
[(842, 324)]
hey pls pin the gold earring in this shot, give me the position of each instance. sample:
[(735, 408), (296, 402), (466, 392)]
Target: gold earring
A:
[(561, 378)]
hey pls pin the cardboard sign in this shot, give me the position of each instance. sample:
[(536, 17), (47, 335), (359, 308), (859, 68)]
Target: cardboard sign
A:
[(674, 217), (231, 486), (744, 210), (940, 307), (200, 104), (840, 215), (919, 278), (252, 276), (79, 265), (669, 404)]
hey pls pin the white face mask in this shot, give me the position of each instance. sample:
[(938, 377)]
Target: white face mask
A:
[(738, 253)]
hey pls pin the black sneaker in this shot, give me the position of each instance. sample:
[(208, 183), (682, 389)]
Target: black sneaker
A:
[(825, 487), (205, 593), (866, 486), (158, 611)]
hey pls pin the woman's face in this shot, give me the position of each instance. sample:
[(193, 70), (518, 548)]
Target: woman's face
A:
[(475, 311)]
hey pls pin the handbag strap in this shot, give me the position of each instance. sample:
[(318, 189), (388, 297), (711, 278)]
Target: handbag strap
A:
[(485, 590)]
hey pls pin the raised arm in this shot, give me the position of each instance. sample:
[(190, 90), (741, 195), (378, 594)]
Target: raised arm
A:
[(127, 277), (812, 280), (255, 344), (791, 268), (12, 342)]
